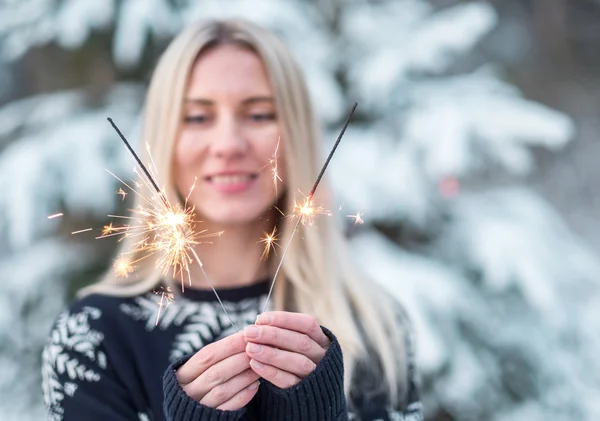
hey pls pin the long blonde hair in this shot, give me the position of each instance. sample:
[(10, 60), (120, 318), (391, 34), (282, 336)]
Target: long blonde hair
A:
[(316, 277)]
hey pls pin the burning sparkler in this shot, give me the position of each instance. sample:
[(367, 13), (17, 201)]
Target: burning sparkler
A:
[(307, 209), (159, 227)]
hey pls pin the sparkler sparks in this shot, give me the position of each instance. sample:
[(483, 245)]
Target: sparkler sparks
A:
[(166, 297), (108, 229), (80, 231), (123, 193), (357, 218), (307, 209), (123, 267), (269, 241), (274, 170), (159, 227)]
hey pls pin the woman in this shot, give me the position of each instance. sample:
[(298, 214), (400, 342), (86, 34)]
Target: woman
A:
[(226, 98)]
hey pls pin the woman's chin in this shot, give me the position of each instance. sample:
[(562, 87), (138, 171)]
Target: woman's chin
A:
[(233, 219)]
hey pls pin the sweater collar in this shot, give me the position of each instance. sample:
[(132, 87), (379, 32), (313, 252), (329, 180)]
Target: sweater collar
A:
[(235, 294)]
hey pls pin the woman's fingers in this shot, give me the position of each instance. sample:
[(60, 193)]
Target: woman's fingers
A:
[(285, 347), (217, 375), (285, 339), (210, 355), (299, 322), (279, 378), (236, 388), (298, 365), (241, 399)]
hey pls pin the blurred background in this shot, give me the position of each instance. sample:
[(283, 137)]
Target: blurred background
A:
[(473, 158)]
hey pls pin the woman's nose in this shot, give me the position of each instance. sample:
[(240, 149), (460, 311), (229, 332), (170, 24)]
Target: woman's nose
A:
[(229, 141)]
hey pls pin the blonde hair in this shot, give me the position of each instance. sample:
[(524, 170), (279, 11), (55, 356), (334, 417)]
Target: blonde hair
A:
[(316, 277)]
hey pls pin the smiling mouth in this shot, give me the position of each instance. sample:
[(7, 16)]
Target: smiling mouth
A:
[(226, 179)]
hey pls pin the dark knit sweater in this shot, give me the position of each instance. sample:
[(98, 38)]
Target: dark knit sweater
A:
[(114, 358)]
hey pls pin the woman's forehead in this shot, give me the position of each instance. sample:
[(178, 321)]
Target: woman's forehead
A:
[(229, 69)]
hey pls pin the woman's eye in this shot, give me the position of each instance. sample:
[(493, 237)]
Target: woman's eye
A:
[(262, 117), (195, 119)]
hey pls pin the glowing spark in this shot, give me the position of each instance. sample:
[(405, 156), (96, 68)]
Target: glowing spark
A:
[(123, 267), (80, 231), (274, 169), (123, 193), (357, 218), (306, 211), (56, 215), (108, 229), (269, 241), (165, 296), (191, 190), (152, 164)]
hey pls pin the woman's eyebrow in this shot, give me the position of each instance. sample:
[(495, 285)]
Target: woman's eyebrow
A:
[(199, 101), (256, 99), (247, 101)]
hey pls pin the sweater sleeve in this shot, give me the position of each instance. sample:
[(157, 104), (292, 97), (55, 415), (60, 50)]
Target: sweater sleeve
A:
[(78, 381), (413, 409), (319, 396), (373, 405), (178, 406)]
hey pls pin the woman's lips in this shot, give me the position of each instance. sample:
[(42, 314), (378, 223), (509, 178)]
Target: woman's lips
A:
[(231, 183)]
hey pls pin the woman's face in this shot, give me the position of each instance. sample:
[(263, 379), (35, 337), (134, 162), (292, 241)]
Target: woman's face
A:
[(229, 137)]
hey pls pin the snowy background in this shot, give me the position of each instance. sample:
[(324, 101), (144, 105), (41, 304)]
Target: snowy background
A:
[(473, 156)]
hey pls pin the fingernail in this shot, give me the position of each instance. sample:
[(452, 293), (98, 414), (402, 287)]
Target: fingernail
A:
[(254, 386), (251, 331), (253, 348), (256, 364), (263, 319)]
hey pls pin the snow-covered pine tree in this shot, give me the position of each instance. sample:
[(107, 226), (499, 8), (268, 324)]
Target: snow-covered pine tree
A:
[(499, 290)]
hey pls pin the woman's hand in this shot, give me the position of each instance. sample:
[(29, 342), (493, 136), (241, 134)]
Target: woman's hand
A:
[(219, 375), (285, 347)]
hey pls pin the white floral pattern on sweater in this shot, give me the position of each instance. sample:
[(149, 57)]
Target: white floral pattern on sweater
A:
[(71, 342), (203, 322)]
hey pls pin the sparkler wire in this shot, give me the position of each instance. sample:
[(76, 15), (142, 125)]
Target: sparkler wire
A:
[(213, 288), (132, 151), (310, 196), (135, 156)]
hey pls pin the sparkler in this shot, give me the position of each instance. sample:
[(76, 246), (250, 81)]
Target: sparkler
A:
[(307, 208), (163, 228), (306, 211)]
